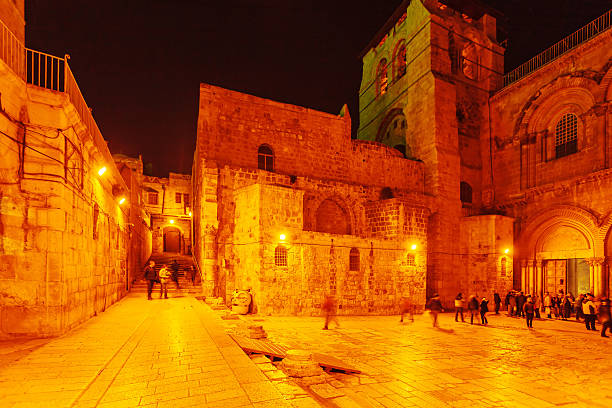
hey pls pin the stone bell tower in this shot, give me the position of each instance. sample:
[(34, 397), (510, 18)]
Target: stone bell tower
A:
[(427, 77)]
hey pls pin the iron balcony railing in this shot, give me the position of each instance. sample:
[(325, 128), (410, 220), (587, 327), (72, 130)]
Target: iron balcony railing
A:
[(46, 71), (573, 40)]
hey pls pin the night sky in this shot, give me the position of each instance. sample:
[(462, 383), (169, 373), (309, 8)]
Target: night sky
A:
[(139, 62)]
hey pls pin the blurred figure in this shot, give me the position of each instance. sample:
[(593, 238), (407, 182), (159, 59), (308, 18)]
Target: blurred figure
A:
[(192, 274), (604, 316), (459, 307), (497, 300), (512, 301), (529, 309), (547, 305), (151, 276), (473, 306), (175, 270), (537, 304), (406, 307), (435, 307), (484, 308), (520, 302), (578, 306), (329, 309), (588, 309), (164, 279), (566, 307)]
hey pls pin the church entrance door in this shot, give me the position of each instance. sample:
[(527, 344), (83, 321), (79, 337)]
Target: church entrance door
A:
[(569, 275)]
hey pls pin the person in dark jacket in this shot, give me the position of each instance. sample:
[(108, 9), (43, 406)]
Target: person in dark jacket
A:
[(604, 316), (567, 307), (529, 309), (459, 307), (473, 307), (151, 276), (484, 308), (497, 300), (578, 307), (512, 307), (520, 302), (435, 306), (174, 266)]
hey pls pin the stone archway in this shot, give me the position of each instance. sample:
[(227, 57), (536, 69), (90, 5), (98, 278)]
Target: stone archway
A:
[(172, 239)]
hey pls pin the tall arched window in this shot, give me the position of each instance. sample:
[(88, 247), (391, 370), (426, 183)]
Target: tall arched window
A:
[(382, 81), (399, 61), (503, 266), (265, 158), (354, 260), (470, 61), (465, 193), (566, 135), (280, 256)]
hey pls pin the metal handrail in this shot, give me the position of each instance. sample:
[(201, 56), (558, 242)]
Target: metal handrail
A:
[(12, 51), (594, 28)]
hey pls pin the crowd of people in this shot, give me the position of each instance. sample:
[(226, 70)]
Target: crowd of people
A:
[(163, 277)]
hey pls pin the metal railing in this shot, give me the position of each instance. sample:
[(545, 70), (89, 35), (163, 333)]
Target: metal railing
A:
[(594, 28), (11, 51), (45, 70)]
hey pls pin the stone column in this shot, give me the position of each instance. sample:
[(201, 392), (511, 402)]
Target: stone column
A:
[(531, 280), (599, 278), (524, 266), (539, 265), (209, 265)]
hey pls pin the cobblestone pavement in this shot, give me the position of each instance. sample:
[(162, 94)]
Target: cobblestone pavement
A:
[(413, 364), (160, 353)]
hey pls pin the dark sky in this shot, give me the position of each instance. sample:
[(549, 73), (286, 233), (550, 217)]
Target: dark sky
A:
[(139, 62)]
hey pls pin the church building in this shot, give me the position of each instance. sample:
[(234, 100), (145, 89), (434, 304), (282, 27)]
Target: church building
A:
[(461, 179)]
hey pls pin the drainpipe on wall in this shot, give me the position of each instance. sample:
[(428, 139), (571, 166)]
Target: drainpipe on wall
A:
[(163, 198)]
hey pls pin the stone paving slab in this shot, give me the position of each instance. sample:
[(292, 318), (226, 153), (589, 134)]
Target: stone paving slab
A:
[(415, 365), (139, 353)]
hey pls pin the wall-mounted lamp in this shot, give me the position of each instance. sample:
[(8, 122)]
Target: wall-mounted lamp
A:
[(121, 200), (506, 250), (171, 221), (190, 213), (102, 170), (413, 247), (282, 237)]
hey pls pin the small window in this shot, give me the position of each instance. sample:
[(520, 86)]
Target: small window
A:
[(566, 135), (354, 260), (265, 158), (186, 199), (503, 266), (399, 62), (153, 198), (410, 260), (96, 215), (382, 81), (465, 193), (177, 197), (386, 193), (280, 256)]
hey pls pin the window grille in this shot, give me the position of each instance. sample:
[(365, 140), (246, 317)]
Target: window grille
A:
[(177, 198), (410, 260), (354, 260), (566, 135), (280, 256), (465, 192), (153, 198), (381, 77), (265, 158)]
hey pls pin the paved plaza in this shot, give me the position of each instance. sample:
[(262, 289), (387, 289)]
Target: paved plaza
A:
[(175, 353)]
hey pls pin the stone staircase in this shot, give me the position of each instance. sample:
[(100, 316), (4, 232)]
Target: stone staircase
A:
[(186, 287)]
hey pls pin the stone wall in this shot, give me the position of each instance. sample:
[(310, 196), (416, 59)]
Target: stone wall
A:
[(63, 236)]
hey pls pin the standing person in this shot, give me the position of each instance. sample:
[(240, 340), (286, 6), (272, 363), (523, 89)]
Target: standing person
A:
[(529, 309), (497, 300), (512, 307), (473, 307), (151, 276), (329, 309), (175, 270), (435, 306), (520, 302), (567, 307), (588, 309), (604, 316), (537, 304), (578, 306), (164, 278), (547, 304), (484, 308), (554, 301), (507, 303), (406, 308), (192, 272), (459, 307)]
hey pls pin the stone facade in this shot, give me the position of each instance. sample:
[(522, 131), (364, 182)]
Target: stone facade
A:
[(330, 215), (168, 200)]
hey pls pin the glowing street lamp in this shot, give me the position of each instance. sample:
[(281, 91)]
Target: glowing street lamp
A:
[(121, 200), (190, 213), (282, 237), (102, 170), (506, 250), (171, 221), (413, 247)]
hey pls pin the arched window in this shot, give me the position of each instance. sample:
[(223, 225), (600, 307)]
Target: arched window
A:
[(566, 135), (503, 266), (332, 218), (265, 158), (465, 193), (386, 193), (280, 256), (470, 63), (399, 61), (382, 81), (354, 260)]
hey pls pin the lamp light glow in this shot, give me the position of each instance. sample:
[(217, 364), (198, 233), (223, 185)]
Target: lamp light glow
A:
[(171, 221), (102, 170), (413, 247), (506, 250), (121, 200), (190, 213), (282, 237)]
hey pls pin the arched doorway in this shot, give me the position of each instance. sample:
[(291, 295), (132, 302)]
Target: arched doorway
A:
[(172, 240)]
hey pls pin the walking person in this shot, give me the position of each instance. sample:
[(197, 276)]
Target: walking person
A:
[(529, 309), (164, 279), (435, 307), (459, 307), (497, 300), (151, 276), (537, 304), (512, 301), (588, 309), (406, 307), (520, 302), (484, 308), (547, 304), (604, 316), (473, 306), (578, 306), (175, 270), (329, 309)]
